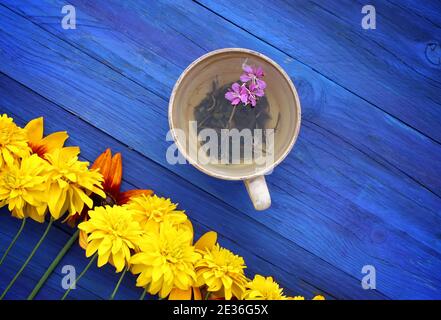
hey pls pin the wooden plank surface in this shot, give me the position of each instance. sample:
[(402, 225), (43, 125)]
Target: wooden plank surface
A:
[(362, 185), (141, 172), (386, 66)]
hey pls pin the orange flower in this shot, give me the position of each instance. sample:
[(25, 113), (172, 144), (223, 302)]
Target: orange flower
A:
[(41, 145), (111, 169)]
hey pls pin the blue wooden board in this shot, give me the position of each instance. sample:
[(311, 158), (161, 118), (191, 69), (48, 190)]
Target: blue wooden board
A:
[(361, 187)]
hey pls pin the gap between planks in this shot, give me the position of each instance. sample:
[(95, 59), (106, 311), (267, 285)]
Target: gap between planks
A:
[(197, 187), (111, 67), (316, 71)]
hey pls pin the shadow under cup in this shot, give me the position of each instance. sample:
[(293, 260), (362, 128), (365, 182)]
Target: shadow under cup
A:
[(225, 67)]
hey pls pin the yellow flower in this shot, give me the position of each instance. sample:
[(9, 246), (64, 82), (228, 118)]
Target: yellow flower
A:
[(261, 288), (220, 269), (40, 145), (151, 211), (23, 187), (13, 142), (71, 182), (318, 297), (166, 261), (113, 233), (206, 240)]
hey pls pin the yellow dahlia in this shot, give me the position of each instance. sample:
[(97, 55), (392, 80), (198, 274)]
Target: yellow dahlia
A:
[(13, 142), (318, 297), (207, 240), (23, 187), (41, 145), (71, 182), (151, 211), (261, 288), (219, 269), (113, 233), (166, 261)]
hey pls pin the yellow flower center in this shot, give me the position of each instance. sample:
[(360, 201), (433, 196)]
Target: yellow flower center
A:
[(5, 135), (15, 182), (171, 253)]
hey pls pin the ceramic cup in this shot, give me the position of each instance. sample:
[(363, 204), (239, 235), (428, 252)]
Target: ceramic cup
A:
[(224, 65)]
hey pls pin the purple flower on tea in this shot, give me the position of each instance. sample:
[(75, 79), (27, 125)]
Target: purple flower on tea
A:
[(251, 89), (253, 75), (237, 93), (254, 92), (252, 99)]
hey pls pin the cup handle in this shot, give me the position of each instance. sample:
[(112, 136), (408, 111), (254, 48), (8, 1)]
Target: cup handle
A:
[(259, 193)]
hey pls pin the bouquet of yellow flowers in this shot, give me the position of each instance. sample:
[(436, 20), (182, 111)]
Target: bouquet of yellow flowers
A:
[(135, 231)]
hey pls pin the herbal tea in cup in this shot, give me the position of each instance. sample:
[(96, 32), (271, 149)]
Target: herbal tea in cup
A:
[(235, 114)]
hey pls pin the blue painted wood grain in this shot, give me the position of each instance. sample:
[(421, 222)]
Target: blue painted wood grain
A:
[(142, 173), (353, 191), (386, 66)]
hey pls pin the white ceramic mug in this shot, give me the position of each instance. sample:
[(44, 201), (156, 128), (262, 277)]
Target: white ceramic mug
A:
[(191, 88)]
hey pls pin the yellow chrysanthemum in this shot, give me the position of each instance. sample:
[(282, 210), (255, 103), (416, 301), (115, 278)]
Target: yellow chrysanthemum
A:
[(317, 297), (13, 142), (42, 145), (166, 261), (151, 211), (222, 272), (261, 288), (23, 187), (113, 233), (71, 182), (207, 240)]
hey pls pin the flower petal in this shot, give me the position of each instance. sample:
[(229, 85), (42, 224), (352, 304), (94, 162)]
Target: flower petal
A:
[(178, 294), (235, 87), (34, 129), (206, 241), (54, 140), (125, 196), (114, 183), (235, 101), (245, 77), (247, 68), (230, 95)]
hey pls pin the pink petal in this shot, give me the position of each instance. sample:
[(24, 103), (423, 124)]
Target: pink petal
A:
[(259, 93), (247, 68), (235, 87), (244, 97), (235, 101), (261, 84), (245, 77), (230, 95), (259, 72)]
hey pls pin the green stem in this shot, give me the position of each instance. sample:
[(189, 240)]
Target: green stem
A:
[(231, 117), (80, 276), (54, 264), (28, 259), (143, 294), (207, 295), (23, 222), (117, 285)]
